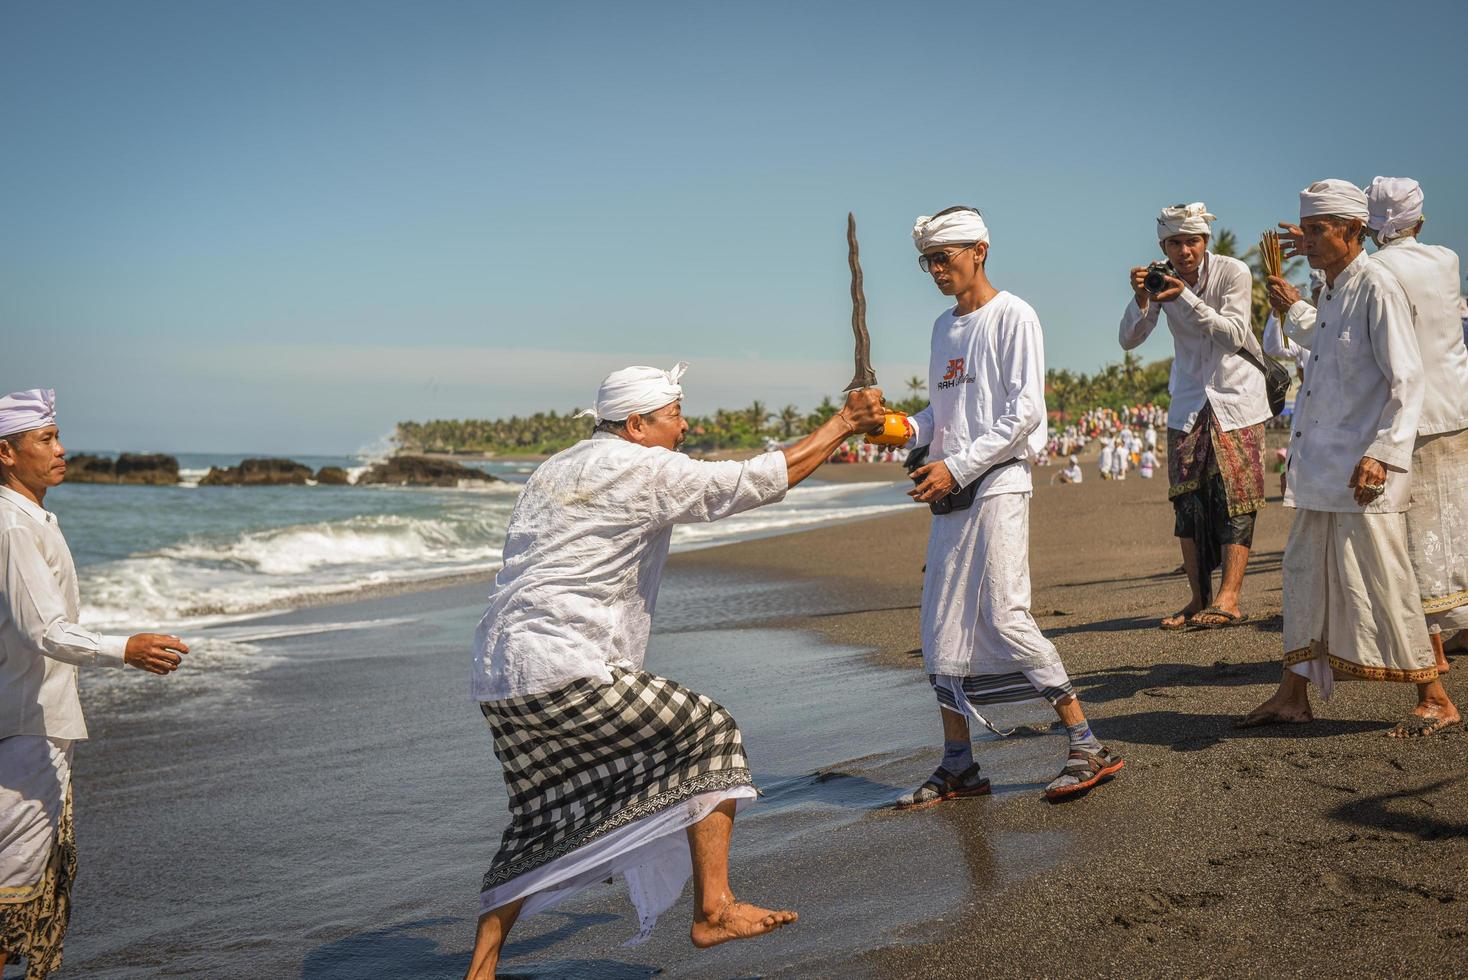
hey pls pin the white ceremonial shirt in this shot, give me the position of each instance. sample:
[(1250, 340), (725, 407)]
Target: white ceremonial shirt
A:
[(986, 379), (41, 644), (1277, 345), (1362, 394), (1208, 327), (584, 556), (1429, 276)]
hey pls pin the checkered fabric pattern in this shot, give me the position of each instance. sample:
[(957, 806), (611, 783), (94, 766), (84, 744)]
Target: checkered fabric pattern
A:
[(588, 758)]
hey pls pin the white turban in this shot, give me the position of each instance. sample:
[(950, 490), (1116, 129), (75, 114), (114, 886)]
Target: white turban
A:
[(954, 228), (1395, 204), (1184, 219), (22, 411), (636, 391), (1333, 198)]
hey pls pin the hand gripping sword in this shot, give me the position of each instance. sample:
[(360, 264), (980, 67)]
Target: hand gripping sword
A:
[(865, 377)]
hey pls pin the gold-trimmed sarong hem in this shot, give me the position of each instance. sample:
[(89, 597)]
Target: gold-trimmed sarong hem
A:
[(1421, 675)]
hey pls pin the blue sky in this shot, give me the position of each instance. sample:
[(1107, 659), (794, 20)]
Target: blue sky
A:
[(282, 227)]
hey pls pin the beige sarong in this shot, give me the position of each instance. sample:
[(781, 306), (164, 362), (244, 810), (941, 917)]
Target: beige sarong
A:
[(1350, 600), (1437, 528)]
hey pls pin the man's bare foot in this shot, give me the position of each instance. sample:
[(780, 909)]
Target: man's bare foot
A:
[(1425, 719), (1271, 713), (738, 920)]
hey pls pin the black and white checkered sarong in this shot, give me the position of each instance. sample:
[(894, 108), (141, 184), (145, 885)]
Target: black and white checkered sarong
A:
[(589, 758)]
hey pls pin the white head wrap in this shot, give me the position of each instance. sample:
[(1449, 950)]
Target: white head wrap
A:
[(953, 228), (22, 411), (1333, 198), (636, 391), (1184, 219), (1395, 204)]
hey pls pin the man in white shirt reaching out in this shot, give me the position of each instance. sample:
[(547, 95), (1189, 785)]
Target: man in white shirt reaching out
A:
[(1215, 421), (41, 647), (983, 426)]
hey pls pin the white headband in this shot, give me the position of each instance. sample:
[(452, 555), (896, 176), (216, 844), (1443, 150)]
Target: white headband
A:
[(1334, 198), (636, 391), (954, 228), (22, 411), (1395, 204), (1184, 219)]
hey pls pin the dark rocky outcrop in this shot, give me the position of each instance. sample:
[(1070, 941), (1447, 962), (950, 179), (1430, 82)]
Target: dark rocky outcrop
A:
[(422, 471), (257, 473), (332, 476), (147, 469)]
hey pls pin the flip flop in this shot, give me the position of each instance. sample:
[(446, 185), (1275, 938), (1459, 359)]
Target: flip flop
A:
[(1231, 619), (943, 786), (1187, 621)]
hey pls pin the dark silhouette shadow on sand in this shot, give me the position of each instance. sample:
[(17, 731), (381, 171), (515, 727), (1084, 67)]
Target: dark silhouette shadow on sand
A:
[(1421, 821), (1170, 681), (1183, 732), (1264, 561)]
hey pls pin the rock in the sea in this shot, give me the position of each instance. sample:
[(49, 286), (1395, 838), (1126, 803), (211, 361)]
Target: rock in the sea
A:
[(421, 471), (257, 473), (332, 476), (151, 469)]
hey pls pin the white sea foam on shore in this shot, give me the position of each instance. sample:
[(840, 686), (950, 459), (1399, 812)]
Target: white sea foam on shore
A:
[(209, 576)]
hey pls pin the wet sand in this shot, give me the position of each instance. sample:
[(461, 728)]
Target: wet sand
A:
[(330, 814), (1325, 849)]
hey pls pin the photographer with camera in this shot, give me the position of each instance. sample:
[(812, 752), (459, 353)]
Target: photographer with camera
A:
[(1215, 424)]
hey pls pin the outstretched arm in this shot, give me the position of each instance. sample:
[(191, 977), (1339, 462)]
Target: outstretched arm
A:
[(862, 413)]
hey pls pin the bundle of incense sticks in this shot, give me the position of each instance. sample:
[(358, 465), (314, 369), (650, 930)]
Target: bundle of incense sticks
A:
[(1269, 249)]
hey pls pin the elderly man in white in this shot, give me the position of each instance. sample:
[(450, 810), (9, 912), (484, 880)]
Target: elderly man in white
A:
[(609, 769), (1351, 602), (1215, 419), (983, 427), (41, 647), (1437, 522)]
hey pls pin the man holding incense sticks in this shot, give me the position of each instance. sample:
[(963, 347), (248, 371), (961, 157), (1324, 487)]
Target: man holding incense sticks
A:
[(1351, 601), (1215, 422), (982, 430), (611, 770), (1437, 521)]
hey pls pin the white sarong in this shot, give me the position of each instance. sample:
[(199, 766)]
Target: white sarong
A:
[(35, 773), (1350, 600), (976, 592), (1437, 528)]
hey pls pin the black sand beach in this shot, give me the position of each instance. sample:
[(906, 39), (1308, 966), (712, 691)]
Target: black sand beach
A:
[(329, 814)]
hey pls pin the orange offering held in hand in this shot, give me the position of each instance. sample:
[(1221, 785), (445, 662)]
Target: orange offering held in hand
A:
[(895, 431)]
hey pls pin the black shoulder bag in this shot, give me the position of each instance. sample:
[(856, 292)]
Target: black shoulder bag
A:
[(963, 497), (1276, 379)]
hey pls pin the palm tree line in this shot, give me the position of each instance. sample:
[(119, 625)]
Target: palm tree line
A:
[(1069, 394)]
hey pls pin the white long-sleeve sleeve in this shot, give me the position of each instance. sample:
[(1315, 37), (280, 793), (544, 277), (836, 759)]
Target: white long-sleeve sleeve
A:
[(36, 611)]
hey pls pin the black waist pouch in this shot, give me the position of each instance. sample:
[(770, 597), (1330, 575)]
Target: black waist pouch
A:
[(963, 497)]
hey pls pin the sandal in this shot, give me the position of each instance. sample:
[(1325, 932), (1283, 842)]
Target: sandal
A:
[(1229, 619), (1087, 769), (1187, 620), (942, 786)]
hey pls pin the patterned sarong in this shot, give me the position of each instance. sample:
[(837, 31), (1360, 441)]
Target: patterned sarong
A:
[(35, 929), (588, 758), (1437, 527), (1216, 484)]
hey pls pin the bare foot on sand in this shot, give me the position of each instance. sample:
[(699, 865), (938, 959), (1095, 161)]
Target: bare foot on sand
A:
[(738, 920), (1425, 719), (1273, 713)]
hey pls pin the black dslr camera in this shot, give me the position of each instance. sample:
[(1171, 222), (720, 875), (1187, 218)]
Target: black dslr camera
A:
[(1155, 283)]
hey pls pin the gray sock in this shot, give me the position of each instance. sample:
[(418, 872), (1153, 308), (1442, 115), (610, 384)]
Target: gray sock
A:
[(957, 756), (1082, 738)]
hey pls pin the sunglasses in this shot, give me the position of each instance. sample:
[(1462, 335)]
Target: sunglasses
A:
[(928, 262)]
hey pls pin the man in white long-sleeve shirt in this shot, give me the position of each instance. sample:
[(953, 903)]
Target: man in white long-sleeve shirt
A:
[(984, 425), (1215, 420), (41, 647), (1351, 603), (1437, 521), (608, 768)]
